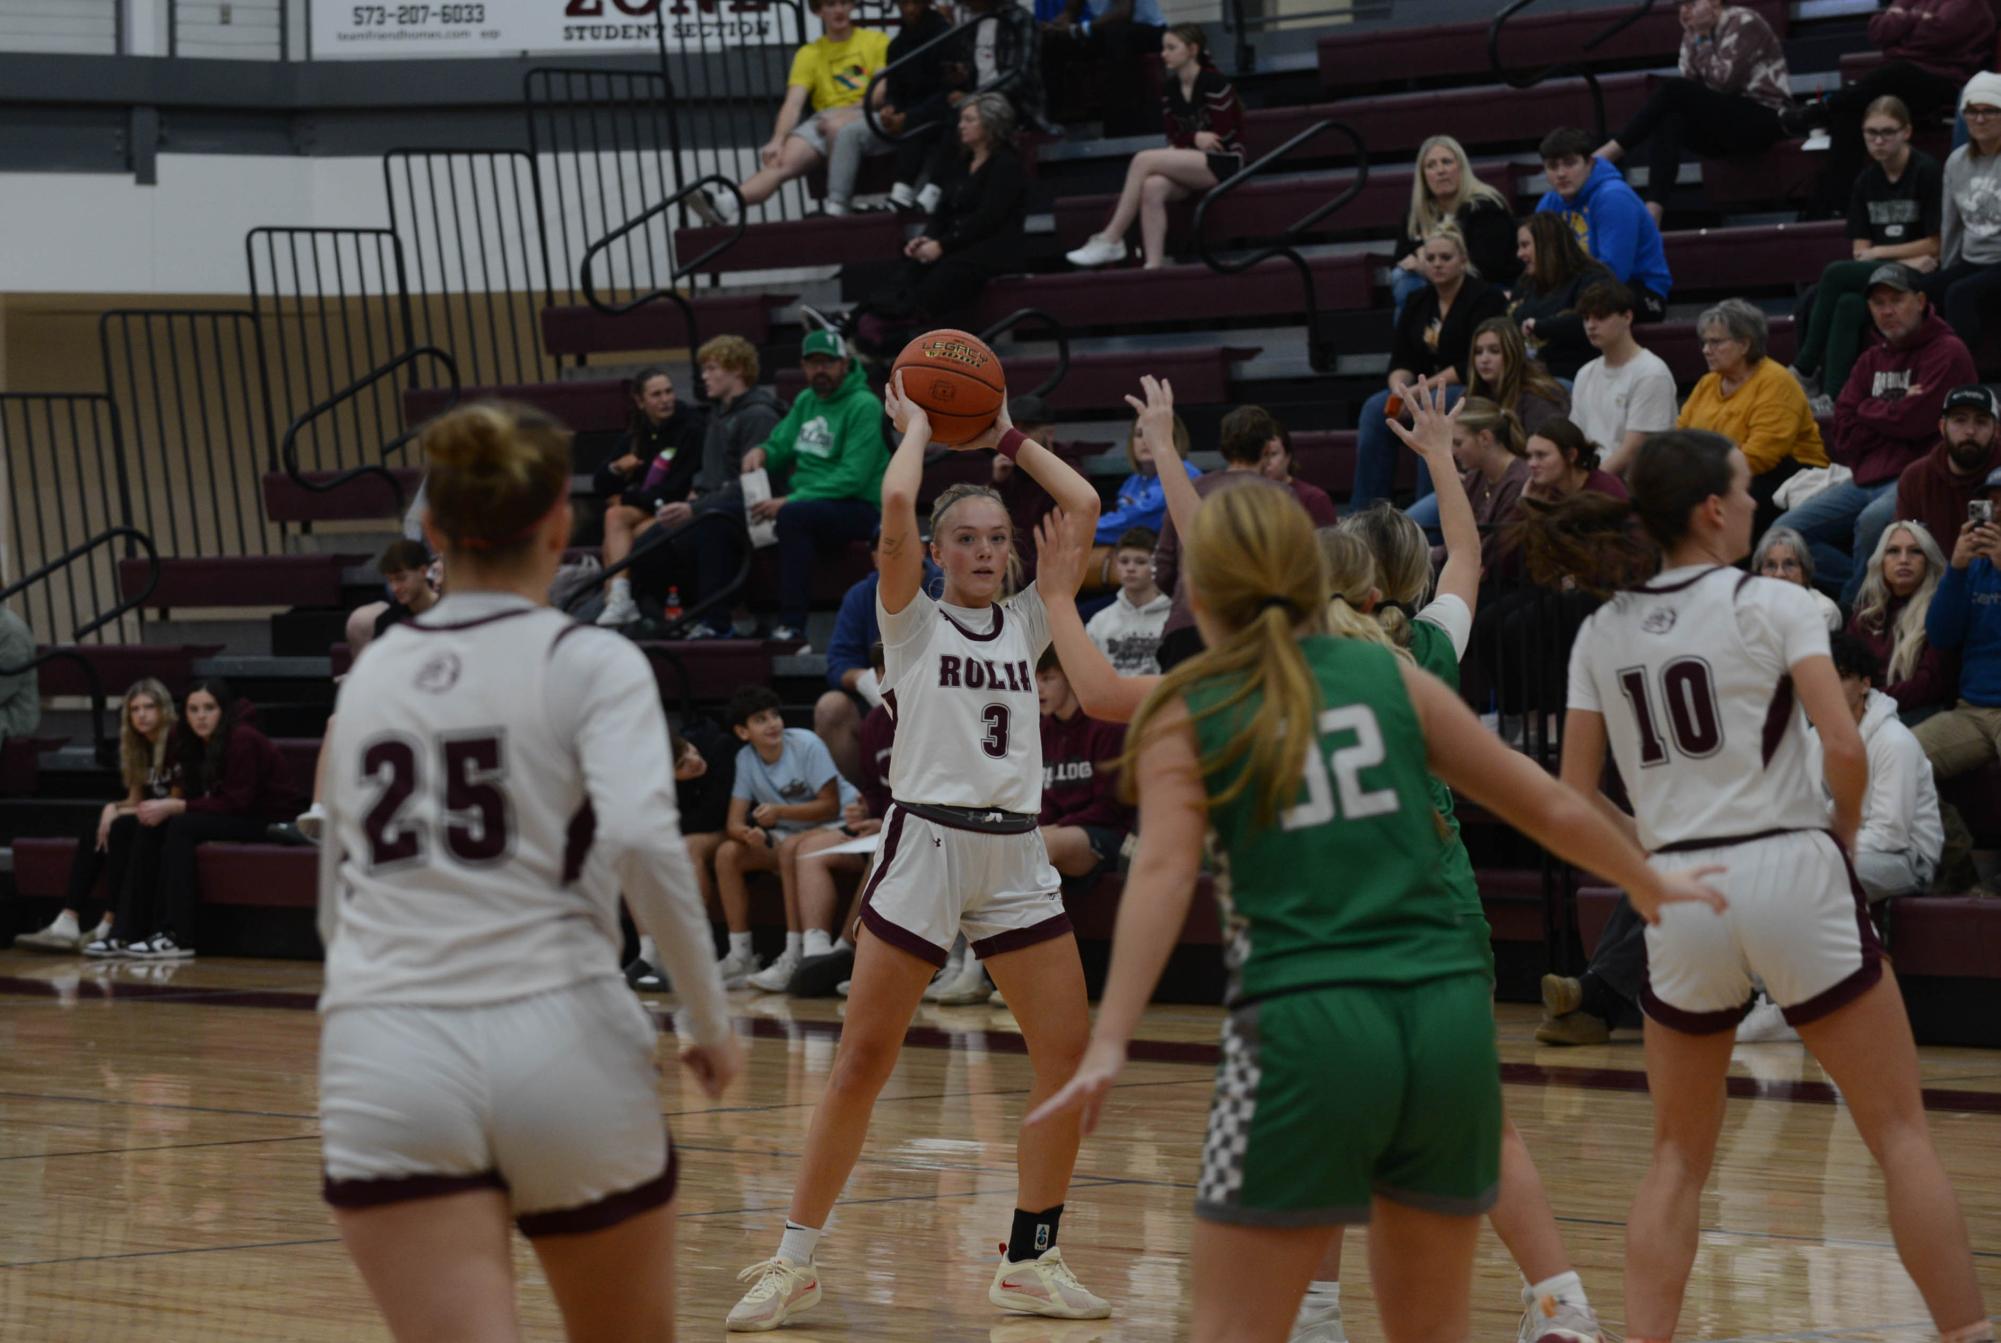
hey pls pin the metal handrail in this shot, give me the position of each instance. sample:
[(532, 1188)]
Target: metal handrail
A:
[(707, 603), (909, 133), (288, 449), (1319, 349), (1523, 81), (101, 744), (1056, 328)]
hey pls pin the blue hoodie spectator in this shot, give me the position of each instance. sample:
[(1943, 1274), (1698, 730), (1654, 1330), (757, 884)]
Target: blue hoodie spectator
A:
[(1615, 228), (855, 630), (1965, 618), (1141, 503)]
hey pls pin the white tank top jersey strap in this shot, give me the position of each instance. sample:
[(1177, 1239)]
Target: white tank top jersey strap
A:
[(1692, 673)]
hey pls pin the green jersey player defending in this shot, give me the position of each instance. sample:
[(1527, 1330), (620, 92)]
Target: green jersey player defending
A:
[(1358, 1081)]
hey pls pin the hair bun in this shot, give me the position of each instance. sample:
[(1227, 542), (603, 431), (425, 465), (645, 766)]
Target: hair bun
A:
[(495, 469)]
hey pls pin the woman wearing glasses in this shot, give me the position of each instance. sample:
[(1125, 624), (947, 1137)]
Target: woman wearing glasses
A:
[(1967, 288), (1753, 402)]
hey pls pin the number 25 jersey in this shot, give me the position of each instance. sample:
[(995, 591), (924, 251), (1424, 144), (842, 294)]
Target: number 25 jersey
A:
[(1692, 673)]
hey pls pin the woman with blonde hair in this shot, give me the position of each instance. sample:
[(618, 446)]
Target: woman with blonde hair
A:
[(1890, 612), (1444, 189), (104, 848)]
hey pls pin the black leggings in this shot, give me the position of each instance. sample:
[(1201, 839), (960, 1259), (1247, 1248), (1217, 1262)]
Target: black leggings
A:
[(167, 904), (1687, 114), (91, 862)]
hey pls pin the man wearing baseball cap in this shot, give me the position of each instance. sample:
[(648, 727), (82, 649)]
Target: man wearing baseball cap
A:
[(1965, 619), (831, 444), (1884, 420), (1936, 488)]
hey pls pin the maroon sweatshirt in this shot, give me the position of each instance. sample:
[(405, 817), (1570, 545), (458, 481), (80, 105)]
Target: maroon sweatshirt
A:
[(1930, 492), (878, 735), (254, 782), (1935, 679), (1879, 429), (1167, 575), (1956, 39), (1080, 784)]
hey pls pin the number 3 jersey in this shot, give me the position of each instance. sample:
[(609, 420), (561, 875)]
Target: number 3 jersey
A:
[(962, 691), (1692, 673), (495, 775)]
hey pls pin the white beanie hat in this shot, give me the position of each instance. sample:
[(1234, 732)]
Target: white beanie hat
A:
[(1984, 87)]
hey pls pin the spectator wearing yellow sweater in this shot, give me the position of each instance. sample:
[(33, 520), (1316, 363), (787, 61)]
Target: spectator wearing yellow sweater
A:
[(1753, 401)]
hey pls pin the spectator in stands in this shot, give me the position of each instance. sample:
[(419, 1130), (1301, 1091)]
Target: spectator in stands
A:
[(104, 847), (1117, 34), (1897, 850), (1205, 138), (1487, 445), (911, 97), (1003, 50), (850, 671), (1937, 487), (1084, 825), (1932, 46), (1889, 617), (832, 72), (1505, 373), (1562, 461), (785, 785), (234, 785), (1752, 401), (1444, 189), (1783, 553), (20, 688), (1244, 433), (654, 465), (1885, 421), (973, 236), (1556, 270), (406, 568), (1965, 620), (1140, 502), (1893, 215), (830, 443), (1627, 392), (1434, 339), (1128, 631), (1725, 102), (1607, 218), (1967, 286), (1277, 465)]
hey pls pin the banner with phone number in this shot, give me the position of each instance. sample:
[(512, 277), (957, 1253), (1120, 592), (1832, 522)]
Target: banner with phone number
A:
[(376, 30)]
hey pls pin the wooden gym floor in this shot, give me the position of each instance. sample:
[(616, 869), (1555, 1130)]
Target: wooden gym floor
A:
[(159, 1176)]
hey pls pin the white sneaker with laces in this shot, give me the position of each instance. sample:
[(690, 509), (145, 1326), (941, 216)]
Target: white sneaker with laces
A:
[(1555, 1319), (1318, 1324), (736, 970), (1765, 1024), (160, 947), (944, 977), (106, 949), (1099, 251), (970, 986), (1045, 1286), (777, 977), (619, 609), (62, 935), (781, 1290)]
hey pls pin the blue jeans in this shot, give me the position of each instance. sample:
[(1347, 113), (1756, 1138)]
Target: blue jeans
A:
[(1403, 283), (1376, 449), (1425, 514), (805, 528), (1841, 527)]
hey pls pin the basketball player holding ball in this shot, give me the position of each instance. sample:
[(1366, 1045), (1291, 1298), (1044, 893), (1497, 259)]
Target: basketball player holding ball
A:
[(960, 852)]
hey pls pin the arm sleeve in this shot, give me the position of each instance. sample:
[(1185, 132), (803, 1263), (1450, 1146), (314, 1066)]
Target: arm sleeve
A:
[(1950, 228), (1226, 112), (1782, 621), (1768, 438), (1891, 803), (1932, 681), (1931, 196), (1112, 524), (1027, 608), (1951, 610), (805, 68), (1858, 206), (816, 761), (611, 713), (740, 777), (1615, 235), (779, 441), (1167, 555), (999, 207), (847, 650), (1890, 25), (1108, 740), (1651, 407), (1406, 350), (1451, 614)]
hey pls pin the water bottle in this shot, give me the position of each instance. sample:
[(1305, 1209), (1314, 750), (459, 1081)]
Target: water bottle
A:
[(673, 605)]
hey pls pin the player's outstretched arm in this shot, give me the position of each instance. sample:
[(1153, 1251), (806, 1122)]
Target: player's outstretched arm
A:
[(902, 564), (1156, 427), (1173, 817), (1513, 787), (1430, 436), (1060, 547), (1072, 493), (1845, 760)]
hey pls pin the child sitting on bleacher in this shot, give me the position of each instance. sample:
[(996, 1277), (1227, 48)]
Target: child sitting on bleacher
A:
[(1128, 631)]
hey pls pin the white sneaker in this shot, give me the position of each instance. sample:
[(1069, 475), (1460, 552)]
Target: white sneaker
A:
[(619, 609), (902, 196), (782, 1289), (841, 989), (833, 209), (160, 947), (970, 986), (944, 977), (1099, 251), (928, 197), (106, 949), (1045, 1286), (312, 822), (1765, 1024), (995, 999), (777, 977), (1318, 1324), (736, 970), (62, 935), (1555, 1319)]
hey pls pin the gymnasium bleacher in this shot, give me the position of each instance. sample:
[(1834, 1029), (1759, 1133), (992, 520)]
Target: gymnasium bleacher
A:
[(1222, 340)]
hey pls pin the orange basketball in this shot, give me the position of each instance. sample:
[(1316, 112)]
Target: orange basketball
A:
[(958, 381)]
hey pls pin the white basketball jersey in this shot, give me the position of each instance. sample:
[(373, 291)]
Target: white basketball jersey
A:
[(962, 692), (463, 861), (1692, 675)]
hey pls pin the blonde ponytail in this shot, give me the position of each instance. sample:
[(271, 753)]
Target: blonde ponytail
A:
[(1351, 586)]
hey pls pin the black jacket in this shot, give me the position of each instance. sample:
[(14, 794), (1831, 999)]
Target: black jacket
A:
[(1477, 301), (1561, 344), (981, 214), (1489, 230), (925, 77), (681, 435)]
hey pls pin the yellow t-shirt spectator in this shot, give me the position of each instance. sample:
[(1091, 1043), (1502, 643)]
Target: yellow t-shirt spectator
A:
[(838, 72), (1768, 417)]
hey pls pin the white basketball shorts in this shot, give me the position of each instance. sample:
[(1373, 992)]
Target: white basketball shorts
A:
[(933, 880), (1797, 920), (550, 1098)]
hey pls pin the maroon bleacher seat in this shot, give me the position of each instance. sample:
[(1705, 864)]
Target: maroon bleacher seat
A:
[(41, 867), (1955, 935), (832, 576), (119, 665), (586, 405), (1783, 173), (1326, 457), (1735, 259), (1094, 912), (717, 668), (1088, 298), (1100, 379), (269, 876), (578, 329), (1489, 115), (818, 240), (241, 580), (363, 497)]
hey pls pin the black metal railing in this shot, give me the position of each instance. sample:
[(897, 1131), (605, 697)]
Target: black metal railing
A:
[(378, 468), (1060, 332), (1529, 79), (1320, 342), (470, 222), (961, 34), (66, 651), (712, 601), (601, 252), (191, 386), (66, 476)]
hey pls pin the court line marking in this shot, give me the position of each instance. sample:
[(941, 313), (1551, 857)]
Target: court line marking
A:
[(161, 1254), (164, 1147), (64, 1099)]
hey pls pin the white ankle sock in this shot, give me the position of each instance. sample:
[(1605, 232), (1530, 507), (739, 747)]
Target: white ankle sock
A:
[(794, 944), (649, 950), (798, 1243), (621, 589), (1565, 1286), (1326, 1293), (65, 924), (816, 943), (739, 944)]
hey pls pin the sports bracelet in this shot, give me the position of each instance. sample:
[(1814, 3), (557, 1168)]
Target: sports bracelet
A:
[(1010, 443)]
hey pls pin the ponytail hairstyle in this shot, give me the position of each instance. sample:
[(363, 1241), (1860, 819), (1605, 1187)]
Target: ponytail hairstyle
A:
[(1579, 452), (201, 763), (496, 469), (635, 387), (1351, 587), (1242, 558), (1519, 373), (1401, 556), (1589, 537), (953, 495), (1479, 415), (137, 757)]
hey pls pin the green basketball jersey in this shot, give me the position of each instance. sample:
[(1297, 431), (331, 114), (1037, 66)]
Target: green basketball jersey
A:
[(1431, 646), (1349, 885)]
